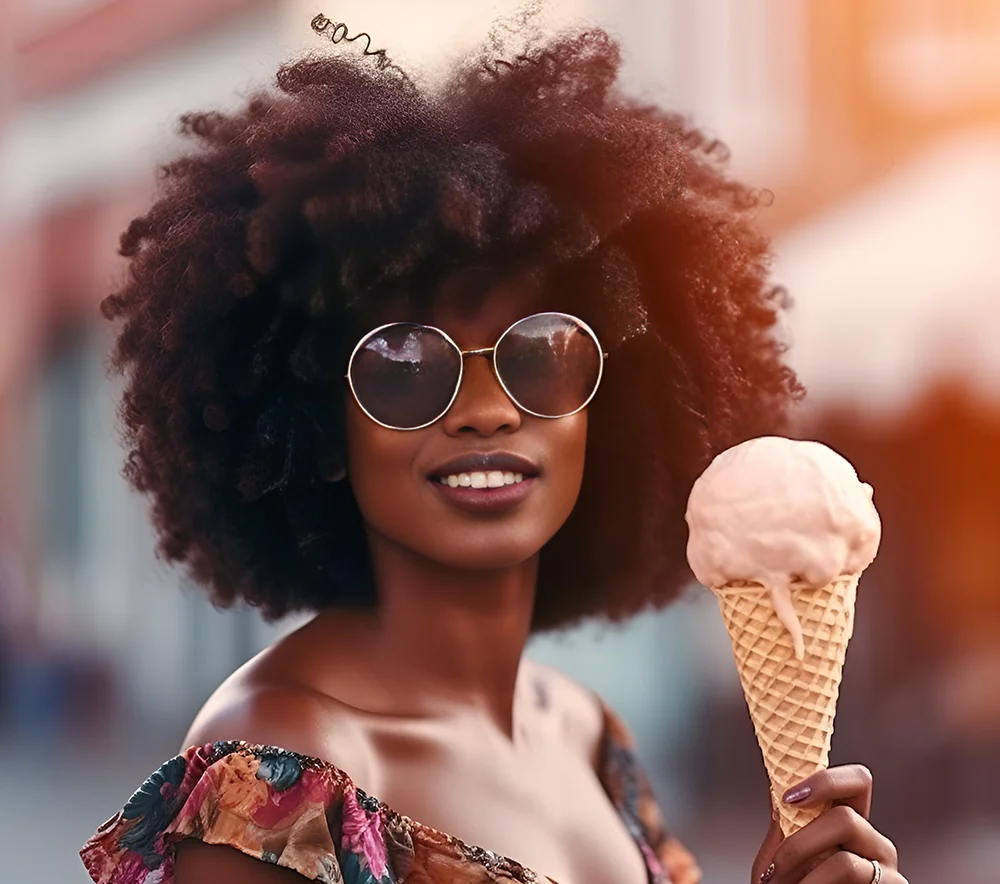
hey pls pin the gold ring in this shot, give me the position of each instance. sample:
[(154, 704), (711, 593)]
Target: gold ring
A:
[(878, 871)]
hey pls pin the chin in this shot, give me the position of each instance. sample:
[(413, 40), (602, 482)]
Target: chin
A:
[(483, 555), (494, 560)]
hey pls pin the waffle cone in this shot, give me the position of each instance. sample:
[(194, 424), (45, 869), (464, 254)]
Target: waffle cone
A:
[(792, 703)]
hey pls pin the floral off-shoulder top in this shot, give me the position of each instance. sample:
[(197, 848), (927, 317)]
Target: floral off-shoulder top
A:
[(305, 814)]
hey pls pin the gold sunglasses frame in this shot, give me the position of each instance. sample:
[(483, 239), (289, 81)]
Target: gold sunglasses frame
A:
[(483, 351)]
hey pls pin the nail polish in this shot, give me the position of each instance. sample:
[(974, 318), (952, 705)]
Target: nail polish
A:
[(767, 874), (794, 795)]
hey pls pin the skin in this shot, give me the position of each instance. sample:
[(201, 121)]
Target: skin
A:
[(428, 702), (838, 845)]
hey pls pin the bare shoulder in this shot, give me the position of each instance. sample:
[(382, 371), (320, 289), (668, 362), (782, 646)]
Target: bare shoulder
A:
[(580, 712), (288, 715), (259, 706)]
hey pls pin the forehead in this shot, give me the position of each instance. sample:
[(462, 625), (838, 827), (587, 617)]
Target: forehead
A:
[(473, 305)]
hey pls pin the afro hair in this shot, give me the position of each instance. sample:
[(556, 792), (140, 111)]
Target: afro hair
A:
[(274, 240)]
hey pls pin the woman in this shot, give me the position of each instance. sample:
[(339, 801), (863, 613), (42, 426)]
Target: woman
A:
[(373, 332)]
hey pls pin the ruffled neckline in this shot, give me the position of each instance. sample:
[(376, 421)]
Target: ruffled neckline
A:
[(613, 742), (305, 813)]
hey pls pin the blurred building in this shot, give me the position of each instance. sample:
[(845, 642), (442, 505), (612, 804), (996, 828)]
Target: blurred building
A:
[(93, 90), (896, 276)]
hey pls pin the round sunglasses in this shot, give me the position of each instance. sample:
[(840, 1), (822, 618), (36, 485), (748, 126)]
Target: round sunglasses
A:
[(405, 376)]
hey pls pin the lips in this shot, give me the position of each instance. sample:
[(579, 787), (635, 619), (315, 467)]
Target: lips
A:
[(485, 482), (486, 462)]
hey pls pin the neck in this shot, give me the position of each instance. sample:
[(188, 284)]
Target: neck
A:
[(450, 639)]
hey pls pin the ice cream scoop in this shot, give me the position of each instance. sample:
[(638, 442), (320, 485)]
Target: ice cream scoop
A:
[(777, 512)]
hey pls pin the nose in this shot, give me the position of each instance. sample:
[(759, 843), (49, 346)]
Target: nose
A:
[(481, 407)]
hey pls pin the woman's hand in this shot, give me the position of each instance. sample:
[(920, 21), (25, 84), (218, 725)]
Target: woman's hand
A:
[(838, 847)]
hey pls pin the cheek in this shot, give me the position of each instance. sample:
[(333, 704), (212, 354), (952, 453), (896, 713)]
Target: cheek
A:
[(379, 466), (568, 450)]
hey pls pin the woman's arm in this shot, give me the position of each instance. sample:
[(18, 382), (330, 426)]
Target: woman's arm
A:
[(200, 863)]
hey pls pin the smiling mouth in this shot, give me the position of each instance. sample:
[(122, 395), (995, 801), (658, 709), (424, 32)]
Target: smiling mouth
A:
[(485, 482), (484, 492), (482, 479), (484, 469)]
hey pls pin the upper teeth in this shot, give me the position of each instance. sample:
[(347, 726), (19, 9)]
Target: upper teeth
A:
[(492, 479)]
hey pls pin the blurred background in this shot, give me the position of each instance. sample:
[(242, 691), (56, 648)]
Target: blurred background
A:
[(877, 125)]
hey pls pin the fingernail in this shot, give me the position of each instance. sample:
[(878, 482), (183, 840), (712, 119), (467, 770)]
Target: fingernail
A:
[(767, 874), (794, 795)]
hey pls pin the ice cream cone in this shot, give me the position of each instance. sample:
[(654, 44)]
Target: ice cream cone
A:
[(792, 702)]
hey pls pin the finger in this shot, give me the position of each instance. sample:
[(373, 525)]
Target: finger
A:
[(845, 868), (840, 828), (772, 839), (847, 784), (849, 868)]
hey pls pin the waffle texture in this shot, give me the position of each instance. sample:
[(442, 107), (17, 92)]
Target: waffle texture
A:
[(792, 703)]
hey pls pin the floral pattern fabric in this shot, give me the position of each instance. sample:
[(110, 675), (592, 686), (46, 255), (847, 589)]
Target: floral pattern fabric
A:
[(305, 814)]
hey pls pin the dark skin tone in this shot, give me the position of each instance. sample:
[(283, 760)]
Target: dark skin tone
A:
[(428, 702), (838, 845)]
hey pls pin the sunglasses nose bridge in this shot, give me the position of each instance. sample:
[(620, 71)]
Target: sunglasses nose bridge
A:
[(488, 354), (482, 351), (481, 403)]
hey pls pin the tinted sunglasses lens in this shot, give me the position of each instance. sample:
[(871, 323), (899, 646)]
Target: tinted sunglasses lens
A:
[(405, 375), (549, 364)]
